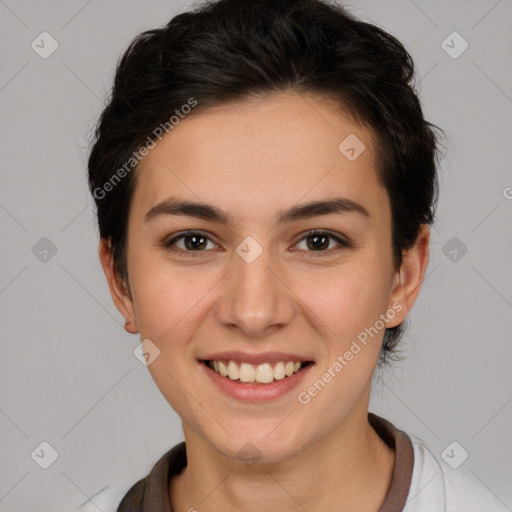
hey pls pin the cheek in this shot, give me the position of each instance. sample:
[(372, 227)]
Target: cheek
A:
[(168, 302), (169, 305), (350, 299)]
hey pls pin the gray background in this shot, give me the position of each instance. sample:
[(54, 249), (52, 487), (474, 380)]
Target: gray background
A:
[(68, 375)]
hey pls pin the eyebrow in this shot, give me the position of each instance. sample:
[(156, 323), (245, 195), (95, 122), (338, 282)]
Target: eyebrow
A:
[(210, 212)]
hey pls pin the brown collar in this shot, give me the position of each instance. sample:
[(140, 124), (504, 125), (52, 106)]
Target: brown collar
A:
[(398, 490), (151, 493)]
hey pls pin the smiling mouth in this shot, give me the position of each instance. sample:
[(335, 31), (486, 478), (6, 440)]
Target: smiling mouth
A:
[(265, 373)]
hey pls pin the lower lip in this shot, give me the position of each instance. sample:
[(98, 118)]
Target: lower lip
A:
[(256, 392)]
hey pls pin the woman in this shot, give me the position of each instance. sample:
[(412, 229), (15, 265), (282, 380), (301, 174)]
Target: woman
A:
[(265, 181)]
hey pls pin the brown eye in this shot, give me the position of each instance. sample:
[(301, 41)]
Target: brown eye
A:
[(321, 242), (192, 241)]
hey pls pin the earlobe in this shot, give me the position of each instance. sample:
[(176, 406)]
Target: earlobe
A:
[(408, 279), (130, 327), (118, 288)]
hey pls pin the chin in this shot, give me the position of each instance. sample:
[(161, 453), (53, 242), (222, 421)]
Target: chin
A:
[(260, 443)]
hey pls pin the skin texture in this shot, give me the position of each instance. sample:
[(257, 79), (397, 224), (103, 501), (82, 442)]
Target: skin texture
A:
[(253, 159)]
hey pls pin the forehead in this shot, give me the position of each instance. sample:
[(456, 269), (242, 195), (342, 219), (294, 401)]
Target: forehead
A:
[(259, 155)]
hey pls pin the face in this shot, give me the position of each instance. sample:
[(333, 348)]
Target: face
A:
[(248, 281)]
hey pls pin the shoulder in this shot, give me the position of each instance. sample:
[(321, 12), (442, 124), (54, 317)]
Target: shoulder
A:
[(436, 487)]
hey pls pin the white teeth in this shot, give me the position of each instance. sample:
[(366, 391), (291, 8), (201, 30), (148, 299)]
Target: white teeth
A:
[(233, 372), (262, 373), (279, 371), (222, 369), (247, 372)]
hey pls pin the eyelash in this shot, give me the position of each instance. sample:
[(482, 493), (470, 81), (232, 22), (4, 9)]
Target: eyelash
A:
[(169, 244)]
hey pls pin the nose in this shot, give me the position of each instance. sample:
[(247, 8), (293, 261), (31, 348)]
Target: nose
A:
[(255, 298)]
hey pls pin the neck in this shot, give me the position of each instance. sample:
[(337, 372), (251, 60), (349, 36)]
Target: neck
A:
[(351, 467)]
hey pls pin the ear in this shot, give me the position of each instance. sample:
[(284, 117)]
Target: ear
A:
[(118, 288), (408, 279)]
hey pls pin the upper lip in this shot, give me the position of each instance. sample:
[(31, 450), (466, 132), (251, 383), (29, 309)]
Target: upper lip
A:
[(252, 358)]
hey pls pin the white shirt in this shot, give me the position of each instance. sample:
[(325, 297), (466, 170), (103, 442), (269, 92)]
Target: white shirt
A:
[(436, 487)]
